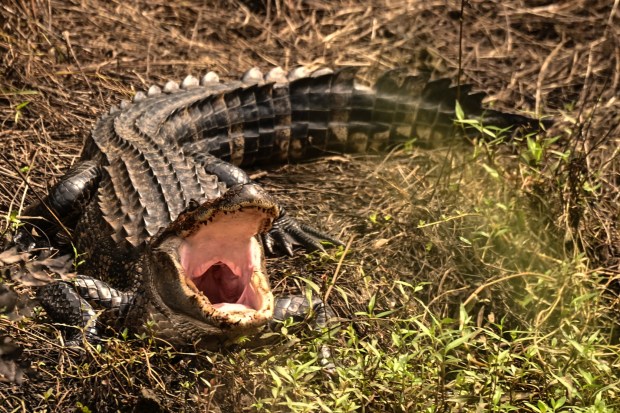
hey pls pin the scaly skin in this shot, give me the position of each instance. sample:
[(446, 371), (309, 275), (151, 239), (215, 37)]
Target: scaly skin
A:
[(153, 169)]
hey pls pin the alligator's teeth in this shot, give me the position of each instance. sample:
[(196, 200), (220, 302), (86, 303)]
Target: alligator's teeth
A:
[(139, 96), (171, 87), (277, 75), (210, 77), (189, 81), (252, 76), (298, 73), (321, 72), (114, 109), (154, 90)]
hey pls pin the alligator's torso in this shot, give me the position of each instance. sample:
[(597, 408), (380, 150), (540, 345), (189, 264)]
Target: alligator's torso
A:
[(168, 158)]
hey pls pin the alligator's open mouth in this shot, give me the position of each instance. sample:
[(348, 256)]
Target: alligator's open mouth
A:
[(208, 266), (223, 259)]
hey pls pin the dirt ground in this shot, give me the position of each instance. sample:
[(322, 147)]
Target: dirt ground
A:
[(64, 63)]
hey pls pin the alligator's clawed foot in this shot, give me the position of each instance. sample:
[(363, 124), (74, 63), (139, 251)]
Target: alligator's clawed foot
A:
[(288, 232), (321, 316), (39, 247), (24, 241)]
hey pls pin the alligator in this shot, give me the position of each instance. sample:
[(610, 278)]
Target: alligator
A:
[(173, 231)]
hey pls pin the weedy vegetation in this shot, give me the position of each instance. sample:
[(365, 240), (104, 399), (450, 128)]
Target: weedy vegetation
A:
[(478, 275)]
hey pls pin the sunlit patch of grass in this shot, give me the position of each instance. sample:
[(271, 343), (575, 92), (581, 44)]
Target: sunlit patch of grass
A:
[(556, 359), (532, 332)]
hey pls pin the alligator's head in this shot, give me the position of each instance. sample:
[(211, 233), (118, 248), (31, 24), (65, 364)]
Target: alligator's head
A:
[(206, 271)]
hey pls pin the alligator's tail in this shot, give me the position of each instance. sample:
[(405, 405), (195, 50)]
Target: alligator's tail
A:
[(283, 117), (331, 113)]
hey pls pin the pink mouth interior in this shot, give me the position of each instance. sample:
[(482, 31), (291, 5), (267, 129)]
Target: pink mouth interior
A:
[(221, 257)]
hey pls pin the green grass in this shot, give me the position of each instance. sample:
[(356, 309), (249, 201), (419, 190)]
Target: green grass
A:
[(498, 309), (470, 291), (535, 331)]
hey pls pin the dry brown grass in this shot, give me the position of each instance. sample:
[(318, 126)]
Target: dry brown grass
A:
[(414, 216)]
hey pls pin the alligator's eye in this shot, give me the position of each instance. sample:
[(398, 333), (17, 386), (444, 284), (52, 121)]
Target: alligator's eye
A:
[(221, 258)]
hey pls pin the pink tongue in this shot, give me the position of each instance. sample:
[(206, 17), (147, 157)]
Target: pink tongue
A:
[(220, 284)]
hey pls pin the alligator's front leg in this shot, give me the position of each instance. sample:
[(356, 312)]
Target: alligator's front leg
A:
[(286, 231), (299, 308), (69, 302), (63, 205)]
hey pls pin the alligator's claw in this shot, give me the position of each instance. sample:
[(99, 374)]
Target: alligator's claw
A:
[(299, 307), (24, 241), (287, 232)]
